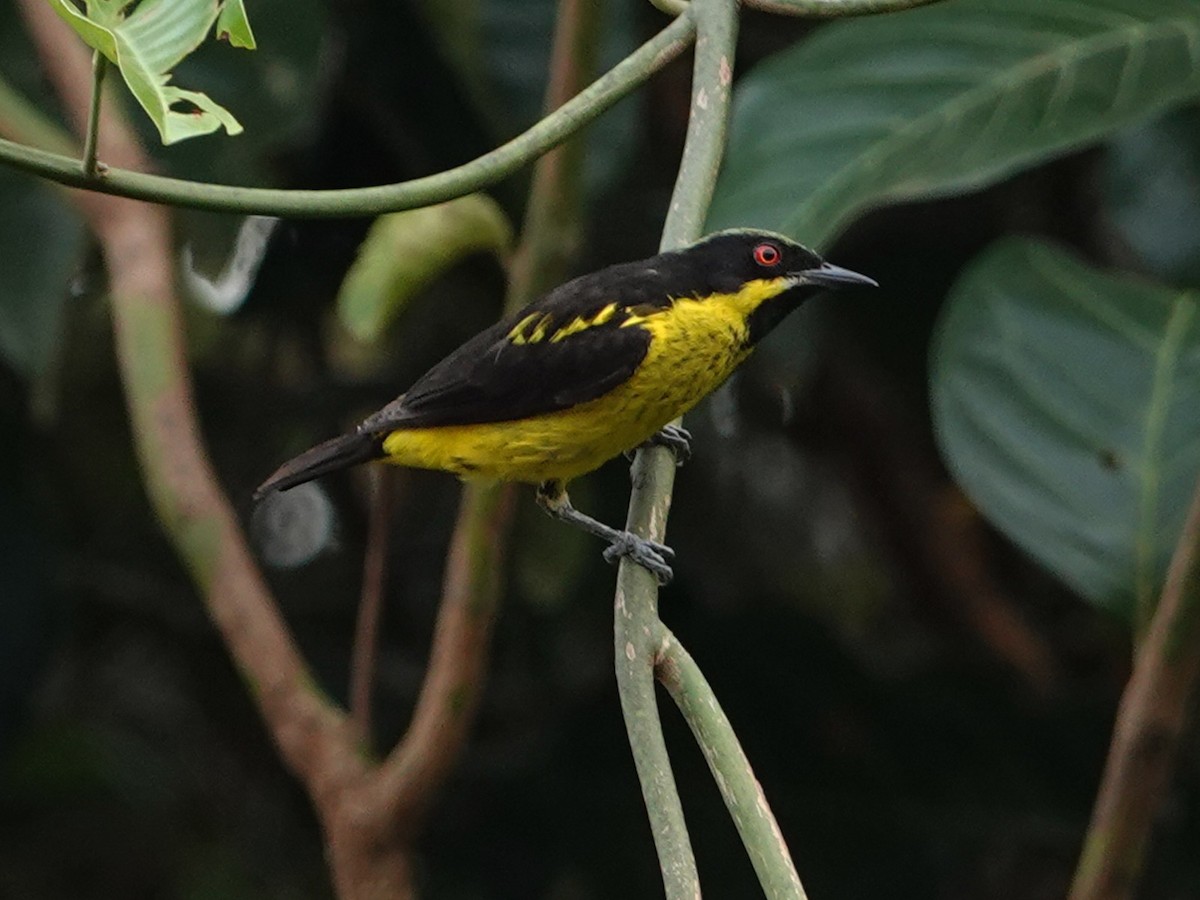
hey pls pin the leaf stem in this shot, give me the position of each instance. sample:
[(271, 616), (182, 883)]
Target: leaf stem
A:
[(99, 67), (743, 795), (1151, 721), (487, 169)]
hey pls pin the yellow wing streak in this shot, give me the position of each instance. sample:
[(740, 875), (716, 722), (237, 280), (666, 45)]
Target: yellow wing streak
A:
[(539, 331), (517, 335), (582, 323)]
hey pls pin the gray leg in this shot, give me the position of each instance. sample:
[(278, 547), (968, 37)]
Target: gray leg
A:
[(650, 555), (675, 438)]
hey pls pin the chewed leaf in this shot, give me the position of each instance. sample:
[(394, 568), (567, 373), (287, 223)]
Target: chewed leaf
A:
[(152, 40), (233, 26)]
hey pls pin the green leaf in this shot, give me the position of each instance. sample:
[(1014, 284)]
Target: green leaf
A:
[(152, 40), (1152, 188), (233, 26), (40, 243), (404, 252), (1065, 403), (943, 99)]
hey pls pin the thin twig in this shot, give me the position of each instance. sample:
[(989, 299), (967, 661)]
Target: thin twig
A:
[(370, 605), (99, 66), (479, 173), (1151, 721), (742, 793), (413, 772)]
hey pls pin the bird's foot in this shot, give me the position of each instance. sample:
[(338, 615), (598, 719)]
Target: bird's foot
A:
[(650, 555), (675, 438)]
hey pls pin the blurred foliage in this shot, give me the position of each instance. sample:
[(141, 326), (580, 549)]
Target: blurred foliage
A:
[(1152, 183), (405, 252), (1064, 399), (904, 753), (40, 240)]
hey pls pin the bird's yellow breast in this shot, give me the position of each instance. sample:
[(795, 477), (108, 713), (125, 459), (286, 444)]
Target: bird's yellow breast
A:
[(695, 344)]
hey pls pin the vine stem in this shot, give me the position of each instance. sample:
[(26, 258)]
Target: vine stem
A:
[(1151, 721), (742, 793), (479, 173), (99, 66), (835, 8), (643, 645)]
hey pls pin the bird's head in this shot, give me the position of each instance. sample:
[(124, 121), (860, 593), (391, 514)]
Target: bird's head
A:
[(768, 274)]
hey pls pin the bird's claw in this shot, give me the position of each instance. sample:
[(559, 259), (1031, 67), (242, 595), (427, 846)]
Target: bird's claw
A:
[(675, 438), (650, 555)]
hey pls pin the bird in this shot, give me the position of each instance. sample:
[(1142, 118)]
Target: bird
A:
[(597, 367)]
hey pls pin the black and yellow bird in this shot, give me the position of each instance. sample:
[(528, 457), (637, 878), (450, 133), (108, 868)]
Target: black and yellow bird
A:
[(595, 368)]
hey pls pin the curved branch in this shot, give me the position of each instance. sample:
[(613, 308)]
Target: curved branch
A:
[(464, 179), (1151, 723), (731, 770), (406, 781), (834, 8)]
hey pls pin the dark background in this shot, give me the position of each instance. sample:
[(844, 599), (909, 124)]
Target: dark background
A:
[(927, 710)]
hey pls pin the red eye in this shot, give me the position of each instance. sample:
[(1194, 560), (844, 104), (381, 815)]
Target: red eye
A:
[(767, 255)]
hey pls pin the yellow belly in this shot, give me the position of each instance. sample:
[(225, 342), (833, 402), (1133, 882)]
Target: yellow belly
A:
[(694, 347)]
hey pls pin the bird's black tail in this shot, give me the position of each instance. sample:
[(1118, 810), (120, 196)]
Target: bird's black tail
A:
[(338, 453)]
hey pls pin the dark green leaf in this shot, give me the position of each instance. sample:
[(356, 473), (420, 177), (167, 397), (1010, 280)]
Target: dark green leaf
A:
[(1065, 403), (1152, 183), (943, 99)]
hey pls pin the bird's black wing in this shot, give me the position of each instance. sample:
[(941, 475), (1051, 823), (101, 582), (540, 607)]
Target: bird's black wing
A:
[(524, 366)]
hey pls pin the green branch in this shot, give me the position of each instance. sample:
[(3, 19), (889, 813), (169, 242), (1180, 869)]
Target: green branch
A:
[(835, 8), (636, 623), (742, 794), (353, 202), (643, 644)]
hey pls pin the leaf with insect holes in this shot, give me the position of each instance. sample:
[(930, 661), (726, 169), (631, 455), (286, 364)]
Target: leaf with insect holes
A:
[(1065, 403), (148, 42), (943, 99)]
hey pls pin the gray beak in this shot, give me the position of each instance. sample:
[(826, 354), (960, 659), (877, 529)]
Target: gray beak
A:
[(829, 275)]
